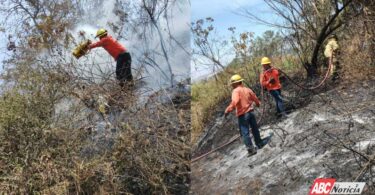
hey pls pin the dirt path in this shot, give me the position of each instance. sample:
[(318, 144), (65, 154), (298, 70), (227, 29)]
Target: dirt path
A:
[(333, 136)]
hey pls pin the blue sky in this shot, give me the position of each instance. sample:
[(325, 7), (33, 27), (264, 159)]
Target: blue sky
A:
[(226, 13)]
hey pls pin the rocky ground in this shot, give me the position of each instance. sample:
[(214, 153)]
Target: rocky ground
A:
[(332, 135)]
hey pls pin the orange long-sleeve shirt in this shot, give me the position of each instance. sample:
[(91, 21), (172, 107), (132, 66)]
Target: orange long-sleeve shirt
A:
[(265, 79), (111, 45), (242, 99)]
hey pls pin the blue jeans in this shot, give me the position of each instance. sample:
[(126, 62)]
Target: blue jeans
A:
[(276, 94), (245, 121)]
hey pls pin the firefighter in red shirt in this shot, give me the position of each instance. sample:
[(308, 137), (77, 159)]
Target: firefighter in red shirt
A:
[(269, 79), (119, 53)]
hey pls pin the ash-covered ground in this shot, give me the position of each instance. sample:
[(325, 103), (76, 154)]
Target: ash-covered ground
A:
[(332, 136)]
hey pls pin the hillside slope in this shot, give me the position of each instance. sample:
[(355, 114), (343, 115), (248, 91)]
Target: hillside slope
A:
[(333, 136)]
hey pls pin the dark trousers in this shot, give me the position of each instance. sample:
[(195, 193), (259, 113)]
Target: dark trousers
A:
[(276, 94), (123, 68), (245, 121)]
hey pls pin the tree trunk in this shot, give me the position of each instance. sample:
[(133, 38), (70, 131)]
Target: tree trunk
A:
[(312, 67)]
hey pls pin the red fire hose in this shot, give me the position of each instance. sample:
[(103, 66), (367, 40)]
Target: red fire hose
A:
[(263, 109)]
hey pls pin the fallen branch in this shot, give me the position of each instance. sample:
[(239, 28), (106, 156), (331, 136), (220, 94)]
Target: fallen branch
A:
[(367, 166)]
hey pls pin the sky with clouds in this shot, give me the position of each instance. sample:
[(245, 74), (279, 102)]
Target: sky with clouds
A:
[(227, 13)]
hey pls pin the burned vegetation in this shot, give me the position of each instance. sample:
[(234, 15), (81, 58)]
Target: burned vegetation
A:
[(67, 127)]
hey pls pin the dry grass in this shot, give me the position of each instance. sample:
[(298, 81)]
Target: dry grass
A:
[(44, 151), (356, 61), (207, 94)]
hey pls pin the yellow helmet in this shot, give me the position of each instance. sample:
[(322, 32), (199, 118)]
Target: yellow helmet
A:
[(101, 32), (265, 61), (235, 79)]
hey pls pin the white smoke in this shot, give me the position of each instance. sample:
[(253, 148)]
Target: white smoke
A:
[(179, 58)]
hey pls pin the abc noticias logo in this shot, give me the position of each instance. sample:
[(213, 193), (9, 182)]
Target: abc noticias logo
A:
[(327, 186)]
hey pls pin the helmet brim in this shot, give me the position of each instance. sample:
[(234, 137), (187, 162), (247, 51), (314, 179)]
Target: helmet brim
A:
[(232, 82), (101, 35)]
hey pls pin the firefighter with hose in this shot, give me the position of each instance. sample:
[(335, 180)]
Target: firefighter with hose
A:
[(120, 55), (269, 79), (243, 100), (331, 52)]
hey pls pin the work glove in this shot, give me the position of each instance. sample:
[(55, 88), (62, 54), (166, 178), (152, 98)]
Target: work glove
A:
[(226, 115)]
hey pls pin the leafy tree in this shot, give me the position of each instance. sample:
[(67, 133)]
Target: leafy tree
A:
[(307, 24)]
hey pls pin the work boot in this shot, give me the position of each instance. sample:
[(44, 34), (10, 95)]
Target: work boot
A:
[(262, 143), (251, 151)]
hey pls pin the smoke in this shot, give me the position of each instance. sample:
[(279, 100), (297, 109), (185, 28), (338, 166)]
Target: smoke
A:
[(103, 16)]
